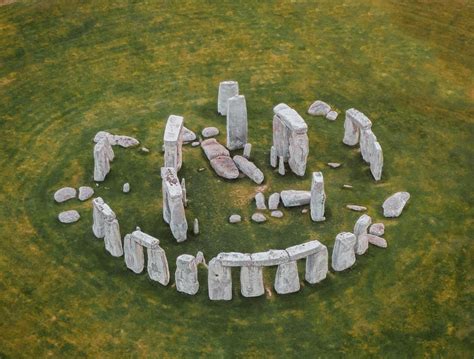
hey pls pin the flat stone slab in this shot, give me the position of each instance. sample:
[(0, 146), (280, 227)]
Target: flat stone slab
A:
[(303, 250), (319, 108), (210, 132), (69, 216), (225, 167), (85, 193), (235, 218), (291, 118), (359, 118), (214, 149), (260, 201), (376, 240), (258, 218), (377, 229), (271, 257), (356, 208), (393, 205), (294, 198), (126, 187), (235, 259), (145, 240), (273, 201), (277, 214), (249, 169), (114, 140), (173, 128), (64, 194), (334, 164)]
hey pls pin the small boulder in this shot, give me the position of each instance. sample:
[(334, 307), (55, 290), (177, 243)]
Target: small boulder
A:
[(64, 194), (277, 214), (188, 135), (332, 115), (319, 108), (334, 164), (210, 132), (354, 207), (273, 201), (295, 198), (377, 229), (85, 193), (258, 218), (260, 201), (69, 216), (235, 218), (126, 187), (393, 205), (125, 141)]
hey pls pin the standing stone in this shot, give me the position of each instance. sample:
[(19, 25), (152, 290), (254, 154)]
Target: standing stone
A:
[(158, 269), (317, 265), (173, 142), (273, 201), (183, 188), (260, 201), (281, 165), (196, 227), (98, 221), (258, 218), (287, 279), (186, 275), (85, 193), (251, 281), (294, 198), (64, 194), (360, 228), (101, 162), (376, 161), (188, 135), (219, 281), (112, 238), (227, 89), (209, 132), (134, 257), (393, 205), (108, 148), (273, 157), (247, 150), (200, 259), (298, 150), (236, 122), (343, 254), (318, 197), (249, 169)]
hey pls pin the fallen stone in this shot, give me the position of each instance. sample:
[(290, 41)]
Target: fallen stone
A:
[(393, 205), (273, 201), (85, 193), (343, 254), (260, 201), (188, 135), (334, 164), (186, 275), (377, 229), (277, 214), (294, 198), (209, 132), (114, 140), (258, 218), (195, 144), (126, 187), (64, 194), (69, 216), (249, 169), (287, 279), (227, 89), (213, 149), (376, 240), (332, 115), (235, 218), (319, 108), (225, 167), (354, 207)]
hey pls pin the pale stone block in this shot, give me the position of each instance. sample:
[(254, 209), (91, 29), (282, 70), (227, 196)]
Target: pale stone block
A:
[(271, 257), (173, 142), (360, 228), (186, 275), (393, 205), (133, 252), (234, 259), (303, 250), (227, 89), (112, 238), (343, 254), (158, 269), (318, 197), (251, 281), (295, 198), (317, 266), (298, 152), (237, 128), (249, 169), (219, 281), (287, 279)]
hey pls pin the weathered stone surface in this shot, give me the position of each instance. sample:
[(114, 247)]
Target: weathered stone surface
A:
[(209, 132), (249, 169), (287, 279), (133, 253), (236, 122), (319, 108), (303, 250), (196, 227), (247, 150), (251, 281), (273, 201), (126, 187), (360, 228), (101, 161), (186, 275), (234, 259), (280, 138), (225, 167), (258, 218), (173, 207), (85, 193), (98, 221), (219, 281), (260, 201), (227, 89), (158, 269), (377, 229), (298, 152), (271, 257), (173, 142), (188, 135), (294, 198), (277, 214), (281, 165), (112, 238), (318, 197), (332, 115), (183, 190), (356, 208), (99, 136), (367, 140), (214, 149), (70, 216), (361, 120), (195, 144), (145, 240), (376, 240), (145, 150), (334, 164), (343, 254), (273, 157), (317, 265), (393, 205), (291, 119), (235, 218), (64, 194), (123, 141), (376, 161)]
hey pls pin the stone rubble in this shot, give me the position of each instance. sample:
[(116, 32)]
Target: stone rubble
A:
[(64, 194), (249, 169), (318, 197), (356, 208), (186, 275), (126, 187), (343, 254), (393, 205), (227, 89), (195, 144), (85, 192), (237, 127), (70, 216)]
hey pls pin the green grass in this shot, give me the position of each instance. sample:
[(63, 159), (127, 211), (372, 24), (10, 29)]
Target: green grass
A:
[(69, 69)]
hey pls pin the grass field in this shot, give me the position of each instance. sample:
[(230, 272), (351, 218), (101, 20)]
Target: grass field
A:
[(69, 69)]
